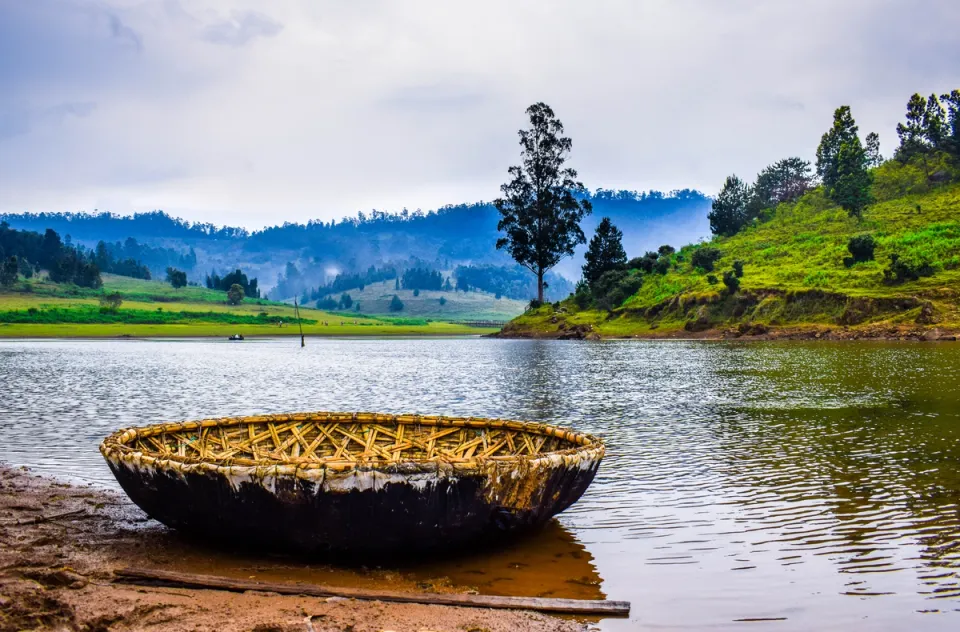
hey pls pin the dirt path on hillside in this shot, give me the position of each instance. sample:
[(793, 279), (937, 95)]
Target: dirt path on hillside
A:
[(59, 546)]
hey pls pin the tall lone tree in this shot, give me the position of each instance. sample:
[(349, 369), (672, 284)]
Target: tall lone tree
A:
[(605, 252), (540, 211)]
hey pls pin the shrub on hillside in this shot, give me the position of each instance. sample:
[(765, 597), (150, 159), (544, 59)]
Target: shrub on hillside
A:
[(731, 280), (396, 305), (861, 247), (111, 302), (905, 268), (614, 287), (704, 257), (738, 268), (583, 297), (712, 279), (235, 294)]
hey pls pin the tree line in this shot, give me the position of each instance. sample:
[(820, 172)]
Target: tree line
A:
[(422, 279), (845, 164), (24, 253), (112, 227), (149, 259), (509, 281), (224, 283)]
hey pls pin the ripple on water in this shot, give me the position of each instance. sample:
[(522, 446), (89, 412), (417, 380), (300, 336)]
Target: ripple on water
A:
[(812, 485)]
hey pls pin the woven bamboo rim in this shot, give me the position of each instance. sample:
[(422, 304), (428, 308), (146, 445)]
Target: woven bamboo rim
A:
[(341, 441)]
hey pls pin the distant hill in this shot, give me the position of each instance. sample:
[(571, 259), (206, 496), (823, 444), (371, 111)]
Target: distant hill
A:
[(443, 239)]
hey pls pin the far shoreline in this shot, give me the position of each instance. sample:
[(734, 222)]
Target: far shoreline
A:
[(70, 331), (731, 334)]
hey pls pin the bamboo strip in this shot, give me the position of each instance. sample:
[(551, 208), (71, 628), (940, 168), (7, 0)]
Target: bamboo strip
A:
[(190, 580)]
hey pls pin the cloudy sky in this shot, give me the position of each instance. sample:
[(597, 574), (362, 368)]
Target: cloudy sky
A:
[(253, 113)]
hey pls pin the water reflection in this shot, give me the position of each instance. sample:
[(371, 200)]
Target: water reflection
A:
[(812, 484), (549, 563)]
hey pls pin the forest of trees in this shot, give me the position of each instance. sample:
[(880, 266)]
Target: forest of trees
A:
[(25, 252), (107, 261), (152, 258), (350, 281), (509, 281), (112, 227), (421, 279), (250, 287)]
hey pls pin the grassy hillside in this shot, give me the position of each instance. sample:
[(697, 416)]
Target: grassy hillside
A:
[(794, 276), (38, 308), (460, 306)]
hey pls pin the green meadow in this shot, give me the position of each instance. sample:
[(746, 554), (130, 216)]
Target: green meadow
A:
[(38, 308)]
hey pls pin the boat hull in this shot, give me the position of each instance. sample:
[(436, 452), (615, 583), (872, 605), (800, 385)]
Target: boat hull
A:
[(370, 505), (389, 516)]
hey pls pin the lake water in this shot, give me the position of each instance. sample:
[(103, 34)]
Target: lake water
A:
[(781, 486)]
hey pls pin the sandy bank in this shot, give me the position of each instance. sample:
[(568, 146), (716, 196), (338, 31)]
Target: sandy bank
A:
[(57, 574)]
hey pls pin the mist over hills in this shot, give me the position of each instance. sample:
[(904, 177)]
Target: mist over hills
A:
[(443, 239)]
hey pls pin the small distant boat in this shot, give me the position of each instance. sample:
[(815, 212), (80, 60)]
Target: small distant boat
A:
[(352, 482), (236, 337)]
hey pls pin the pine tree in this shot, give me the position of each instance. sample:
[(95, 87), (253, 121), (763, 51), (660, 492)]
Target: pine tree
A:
[(729, 210), (934, 123), (844, 130), (783, 181), (874, 159), (952, 132), (852, 188), (605, 251)]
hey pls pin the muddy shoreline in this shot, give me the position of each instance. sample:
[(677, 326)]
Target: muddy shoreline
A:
[(60, 545)]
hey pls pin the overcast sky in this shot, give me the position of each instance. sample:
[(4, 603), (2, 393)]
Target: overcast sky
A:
[(252, 113)]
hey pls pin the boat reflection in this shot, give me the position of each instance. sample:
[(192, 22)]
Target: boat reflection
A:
[(550, 562)]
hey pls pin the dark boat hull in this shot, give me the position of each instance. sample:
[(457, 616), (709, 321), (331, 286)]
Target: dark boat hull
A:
[(361, 511)]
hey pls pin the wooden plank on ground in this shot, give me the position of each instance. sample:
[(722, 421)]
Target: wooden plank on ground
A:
[(190, 580)]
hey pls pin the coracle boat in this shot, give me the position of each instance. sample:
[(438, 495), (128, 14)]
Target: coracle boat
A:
[(352, 482)]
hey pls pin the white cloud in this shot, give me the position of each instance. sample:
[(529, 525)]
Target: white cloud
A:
[(217, 111)]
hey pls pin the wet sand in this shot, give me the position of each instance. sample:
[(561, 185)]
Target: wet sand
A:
[(57, 574)]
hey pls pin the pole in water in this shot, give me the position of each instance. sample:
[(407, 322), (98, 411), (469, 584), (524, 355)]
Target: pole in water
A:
[(303, 343)]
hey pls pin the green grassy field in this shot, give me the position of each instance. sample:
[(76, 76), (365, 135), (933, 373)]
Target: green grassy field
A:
[(794, 274), (463, 306), (37, 308)]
